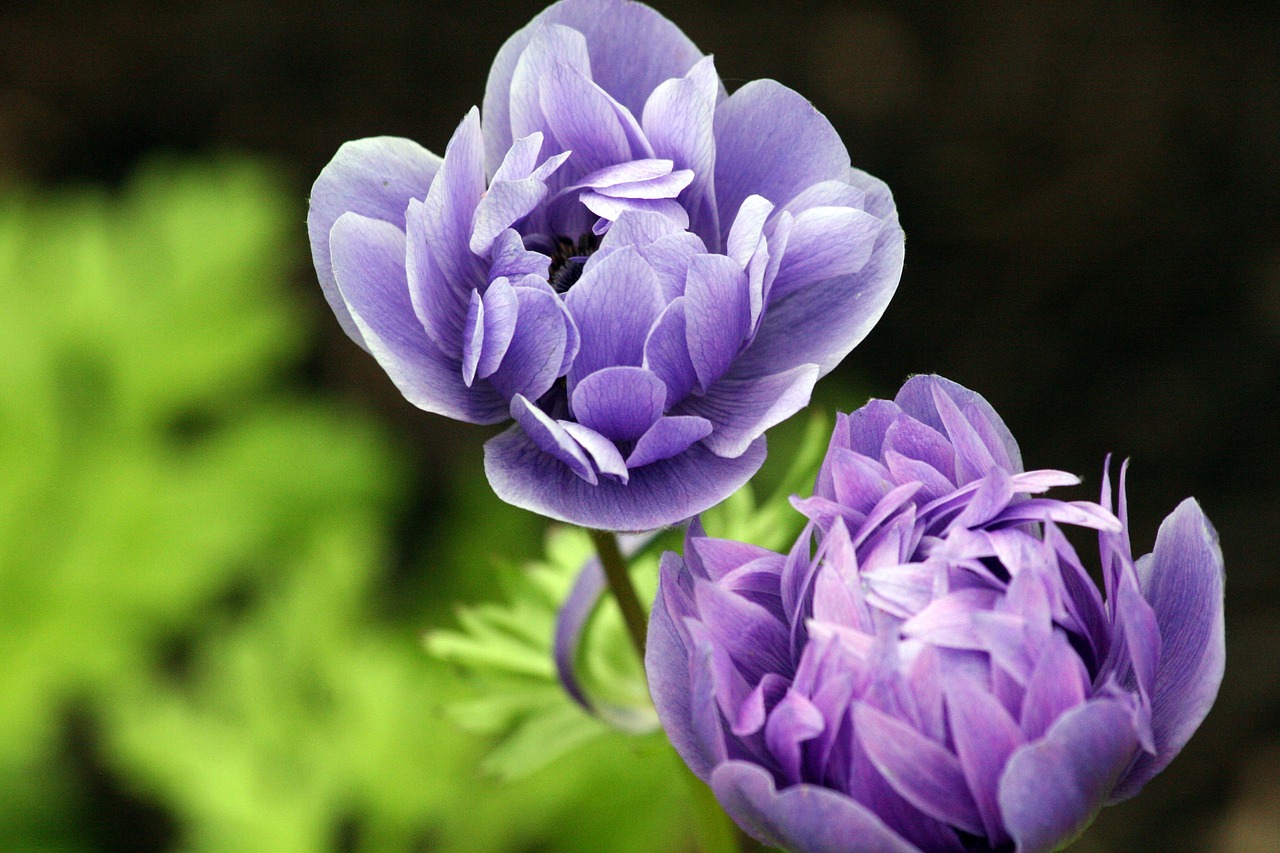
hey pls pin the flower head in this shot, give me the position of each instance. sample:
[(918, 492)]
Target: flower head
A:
[(642, 272), (940, 673)]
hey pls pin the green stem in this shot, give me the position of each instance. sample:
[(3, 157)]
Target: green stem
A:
[(615, 572)]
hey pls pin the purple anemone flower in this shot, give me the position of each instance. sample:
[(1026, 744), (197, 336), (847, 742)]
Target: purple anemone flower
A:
[(938, 671), (641, 271)]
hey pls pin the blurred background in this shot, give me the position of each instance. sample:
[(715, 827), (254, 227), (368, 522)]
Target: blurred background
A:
[(222, 531)]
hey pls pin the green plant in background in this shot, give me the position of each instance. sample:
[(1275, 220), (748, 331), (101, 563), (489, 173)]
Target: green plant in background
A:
[(191, 557)]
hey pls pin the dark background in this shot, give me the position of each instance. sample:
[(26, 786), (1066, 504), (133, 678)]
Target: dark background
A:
[(1089, 190)]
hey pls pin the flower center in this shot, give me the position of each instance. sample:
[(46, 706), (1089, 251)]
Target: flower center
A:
[(567, 258)]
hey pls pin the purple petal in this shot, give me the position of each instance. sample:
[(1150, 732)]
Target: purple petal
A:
[(1052, 789), (1183, 581), (546, 436), (373, 177), (501, 308), (632, 50), (985, 736), (620, 403), (755, 640), (614, 305), (659, 494), (509, 201), (802, 818), (441, 268), (716, 315), (571, 624), (472, 338), (742, 409), (533, 360), (822, 323), (770, 141), (580, 115), (926, 774), (670, 257), (368, 265), (747, 229), (510, 258), (678, 119), (826, 242), (917, 399), (793, 721), (948, 621), (666, 353), (603, 452), (1058, 683), (683, 700), (668, 437), (520, 112)]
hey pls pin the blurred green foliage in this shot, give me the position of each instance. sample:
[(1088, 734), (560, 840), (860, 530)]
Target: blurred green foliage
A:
[(192, 654)]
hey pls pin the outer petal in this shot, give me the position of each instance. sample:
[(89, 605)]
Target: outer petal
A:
[(1052, 789), (373, 177), (772, 142), (632, 49), (742, 410), (820, 324), (665, 492), (685, 717), (1183, 581), (368, 264), (801, 818)]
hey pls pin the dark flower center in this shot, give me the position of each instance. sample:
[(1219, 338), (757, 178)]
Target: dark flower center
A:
[(567, 258)]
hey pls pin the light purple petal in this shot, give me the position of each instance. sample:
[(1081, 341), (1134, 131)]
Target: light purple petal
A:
[(801, 818), (793, 721), (520, 111), (632, 49), (749, 634), (472, 338), (1183, 581), (368, 264), (501, 310), (373, 177), (1058, 683), (580, 115), (771, 141), (687, 715), (678, 119), (1052, 788), (547, 437), (668, 437), (917, 399), (663, 493), (442, 271), (825, 242), (509, 257), (620, 403), (533, 360), (509, 201), (614, 305), (670, 257), (742, 410), (925, 773), (603, 452), (666, 353), (985, 736), (822, 323), (717, 316)]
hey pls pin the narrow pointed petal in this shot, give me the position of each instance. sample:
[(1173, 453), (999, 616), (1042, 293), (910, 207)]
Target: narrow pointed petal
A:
[(501, 312), (546, 436), (603, 452), (368, 264), (373, 177), (917, 399)]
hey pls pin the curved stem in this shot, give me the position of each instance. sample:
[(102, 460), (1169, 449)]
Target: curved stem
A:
[(615, 572)]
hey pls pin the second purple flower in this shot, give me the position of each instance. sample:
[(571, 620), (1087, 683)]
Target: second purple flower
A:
[(642, 272)]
